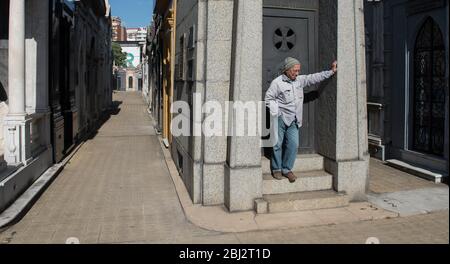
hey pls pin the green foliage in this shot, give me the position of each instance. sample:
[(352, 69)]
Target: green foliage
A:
[(119, 56)]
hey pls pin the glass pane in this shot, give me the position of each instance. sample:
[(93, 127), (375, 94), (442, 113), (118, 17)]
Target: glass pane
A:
[(439, 86), (437, 146), (421, 139), (422, 115), (421, 90), (429, 90), (424, 38), (422, 62), (438, 40), (438, 112), (439, 63)]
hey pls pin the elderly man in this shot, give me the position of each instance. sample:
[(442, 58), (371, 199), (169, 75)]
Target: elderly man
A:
[(285, 99)]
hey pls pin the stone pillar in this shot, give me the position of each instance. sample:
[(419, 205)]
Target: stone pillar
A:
[(17, 123), (342, 121), (219, 21), (243, 175), (16, 58)]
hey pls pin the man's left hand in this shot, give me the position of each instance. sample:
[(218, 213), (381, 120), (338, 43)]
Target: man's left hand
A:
[(334, 66)]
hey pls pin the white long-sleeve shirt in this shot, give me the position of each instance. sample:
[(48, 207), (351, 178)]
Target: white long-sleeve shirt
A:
[(285, 97)]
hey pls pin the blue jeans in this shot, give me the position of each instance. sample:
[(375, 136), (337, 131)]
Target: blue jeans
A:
[(285, 151)]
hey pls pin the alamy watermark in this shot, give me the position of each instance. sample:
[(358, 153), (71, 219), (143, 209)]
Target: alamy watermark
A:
[(224, 119)]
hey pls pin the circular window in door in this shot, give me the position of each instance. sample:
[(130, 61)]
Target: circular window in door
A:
[(284, 39)]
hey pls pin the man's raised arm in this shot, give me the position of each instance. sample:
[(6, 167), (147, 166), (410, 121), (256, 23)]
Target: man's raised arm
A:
[(316, 78)]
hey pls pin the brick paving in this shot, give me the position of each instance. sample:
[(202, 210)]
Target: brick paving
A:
[(117, 189), (385, 179), (431, 228)]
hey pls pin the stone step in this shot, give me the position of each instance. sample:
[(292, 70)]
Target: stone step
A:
[(306, 182), (301, 201), (428, 174), (304, 162)]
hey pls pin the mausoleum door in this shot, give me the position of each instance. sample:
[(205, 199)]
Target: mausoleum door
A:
[(429, 91), (291, 33)]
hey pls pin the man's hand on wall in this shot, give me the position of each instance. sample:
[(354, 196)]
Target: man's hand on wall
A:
[(334, 66)]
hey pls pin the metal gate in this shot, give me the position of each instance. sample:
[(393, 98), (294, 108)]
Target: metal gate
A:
[(429, 90)]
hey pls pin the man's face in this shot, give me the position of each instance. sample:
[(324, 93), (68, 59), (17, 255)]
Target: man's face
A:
[(294, 72)]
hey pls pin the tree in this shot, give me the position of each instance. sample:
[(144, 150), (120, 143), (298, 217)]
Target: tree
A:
[(119, 56)]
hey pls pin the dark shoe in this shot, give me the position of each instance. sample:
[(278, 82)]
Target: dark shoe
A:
[(277, 175), (292, 178)]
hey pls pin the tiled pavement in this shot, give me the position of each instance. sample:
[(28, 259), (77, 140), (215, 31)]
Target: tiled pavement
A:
[(385, 179), (117, 189)]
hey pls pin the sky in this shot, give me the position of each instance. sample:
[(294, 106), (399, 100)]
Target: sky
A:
[(134, 13)]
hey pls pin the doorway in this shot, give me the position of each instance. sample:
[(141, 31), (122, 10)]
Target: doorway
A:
[(429, 96), (291, 33)]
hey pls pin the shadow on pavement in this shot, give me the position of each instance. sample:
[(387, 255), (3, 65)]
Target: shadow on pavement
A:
[(112, 111)]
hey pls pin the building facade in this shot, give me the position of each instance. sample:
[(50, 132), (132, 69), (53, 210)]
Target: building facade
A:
[(55, 68), (163, 49), (154, 57), (129, 78), (228, 51), (24, 74), (81, 67), (146, 77), (407, 61), (137, 34), (119, 32)]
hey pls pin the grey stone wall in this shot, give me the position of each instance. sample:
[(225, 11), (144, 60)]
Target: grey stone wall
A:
[(90, 38), (243, 181), (81, 48), (396, 53), (351, 79), (326, 117), (342, 119), (186, 156), (217, 88), (221, 169), (374, 26), (204, 157), (37, 35), (187, 13)]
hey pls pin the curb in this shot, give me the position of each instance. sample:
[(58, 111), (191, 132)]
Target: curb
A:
[(219, 219), (16, 211)]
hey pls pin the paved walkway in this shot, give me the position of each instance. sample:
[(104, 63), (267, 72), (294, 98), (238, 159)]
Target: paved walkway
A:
[(118, 189), (385, 179), (403, 193)]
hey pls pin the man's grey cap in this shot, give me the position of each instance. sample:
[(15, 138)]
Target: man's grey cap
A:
[(288, 63)]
